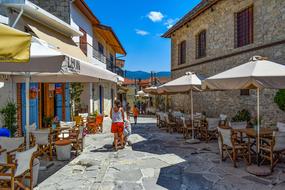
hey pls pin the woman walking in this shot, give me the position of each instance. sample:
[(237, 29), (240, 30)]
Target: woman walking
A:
[(135, 113), (117, 116)]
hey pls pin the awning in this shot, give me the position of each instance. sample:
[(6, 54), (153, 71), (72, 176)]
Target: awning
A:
[(14, 45), (49, 65), (58, 41)]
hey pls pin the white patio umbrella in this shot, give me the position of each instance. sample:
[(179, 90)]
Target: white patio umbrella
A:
[(151, 90), (185, 84), (257, 74)]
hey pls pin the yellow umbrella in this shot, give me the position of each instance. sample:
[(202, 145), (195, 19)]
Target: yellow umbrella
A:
[(14, 45)]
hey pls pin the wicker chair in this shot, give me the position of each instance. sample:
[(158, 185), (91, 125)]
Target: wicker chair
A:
[(229, 145), (209, 129), (273, 149), (21, 167)]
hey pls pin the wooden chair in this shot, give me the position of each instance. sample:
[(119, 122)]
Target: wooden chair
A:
[(239, 125), (9, 145), (273, 149), (78, 120), (76, 138), (20, 168), (187, 128), (44, 141), (229, 145), (170, 126), (209, 129), (99, 122)]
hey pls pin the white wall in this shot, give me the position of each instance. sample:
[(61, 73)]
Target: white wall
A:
[(77, 19)]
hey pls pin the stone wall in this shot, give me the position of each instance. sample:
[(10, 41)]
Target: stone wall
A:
[(59, 8), (269, 24)]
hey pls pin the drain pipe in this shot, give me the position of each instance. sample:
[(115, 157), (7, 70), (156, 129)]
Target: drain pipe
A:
[(18, 17)]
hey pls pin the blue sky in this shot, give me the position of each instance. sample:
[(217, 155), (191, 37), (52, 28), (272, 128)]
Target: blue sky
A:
[(139, 24)]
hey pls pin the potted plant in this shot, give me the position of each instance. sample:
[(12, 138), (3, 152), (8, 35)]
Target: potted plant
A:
[(8, 115), (47, 121)]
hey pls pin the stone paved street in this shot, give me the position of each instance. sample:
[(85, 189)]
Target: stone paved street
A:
[(157, 160)]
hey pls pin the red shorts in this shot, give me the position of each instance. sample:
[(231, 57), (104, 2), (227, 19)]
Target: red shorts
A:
[(117, 127)]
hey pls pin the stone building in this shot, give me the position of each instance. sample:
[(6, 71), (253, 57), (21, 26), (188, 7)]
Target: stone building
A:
[(220, 34)]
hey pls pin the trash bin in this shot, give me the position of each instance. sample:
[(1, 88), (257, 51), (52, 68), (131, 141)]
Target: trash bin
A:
[(36, 168), (63, 149)]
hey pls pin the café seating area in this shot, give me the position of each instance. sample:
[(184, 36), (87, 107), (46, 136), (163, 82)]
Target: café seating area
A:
[(237, 140), (59, 142)]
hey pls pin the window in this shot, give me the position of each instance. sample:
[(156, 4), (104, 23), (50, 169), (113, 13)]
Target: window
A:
[(83, 41), (244, 27), (100, 48), (182, 52), (244, 92), (201, 44), (111, 63)]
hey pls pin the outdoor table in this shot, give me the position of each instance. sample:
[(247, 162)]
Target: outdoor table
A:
[(252, 133)]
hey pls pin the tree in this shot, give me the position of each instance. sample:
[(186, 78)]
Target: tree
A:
[(279, 99), (8, 116), (75, 93)]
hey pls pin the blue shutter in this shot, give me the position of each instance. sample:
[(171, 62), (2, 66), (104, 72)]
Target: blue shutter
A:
[(34, 107), (67, 103), (58, 103)]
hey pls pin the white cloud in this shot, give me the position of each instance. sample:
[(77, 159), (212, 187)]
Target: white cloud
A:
[(155, 16), (141, 32), (170, 22)]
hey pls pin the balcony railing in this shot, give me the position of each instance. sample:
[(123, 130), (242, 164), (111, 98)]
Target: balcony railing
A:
[(110, 65), (115, 69)]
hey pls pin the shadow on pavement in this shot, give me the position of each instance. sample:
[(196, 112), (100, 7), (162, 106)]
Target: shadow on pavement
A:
[(177, 176)]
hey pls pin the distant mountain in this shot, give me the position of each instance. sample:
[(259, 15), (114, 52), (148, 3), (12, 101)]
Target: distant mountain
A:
[(144, 75)]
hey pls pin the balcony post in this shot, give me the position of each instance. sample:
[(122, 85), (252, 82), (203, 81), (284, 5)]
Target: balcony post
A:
[(91, 101)]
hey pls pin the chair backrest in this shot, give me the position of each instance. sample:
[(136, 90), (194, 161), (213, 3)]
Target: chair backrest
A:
[(238, 125), (32, 127), (42, 137), (24, 160), (166, 117), (281, 126), (184, 121), (69, 124), (213, 122), (99, 119), (223, 117), (226, 134), (197, 116), (78, 120), (11, 143), (81, 130), (279, 141)]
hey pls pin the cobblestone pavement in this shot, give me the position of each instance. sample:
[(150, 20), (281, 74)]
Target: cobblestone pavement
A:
[(157, 160)]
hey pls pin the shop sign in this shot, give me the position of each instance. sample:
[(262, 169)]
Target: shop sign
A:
[(58, 90)]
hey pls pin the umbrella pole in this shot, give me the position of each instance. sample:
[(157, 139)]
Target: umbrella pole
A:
[(192, 116), (192, 140), (27, 86), (258, 127)]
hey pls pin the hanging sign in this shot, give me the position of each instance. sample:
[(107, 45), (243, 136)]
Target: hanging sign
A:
[(58, 90)]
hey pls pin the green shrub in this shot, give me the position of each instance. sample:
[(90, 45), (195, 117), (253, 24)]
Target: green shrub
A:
[(242, 115), (8, 115), (279, 99)]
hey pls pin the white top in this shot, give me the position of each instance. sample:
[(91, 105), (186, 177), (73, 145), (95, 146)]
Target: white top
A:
[(117, 117)]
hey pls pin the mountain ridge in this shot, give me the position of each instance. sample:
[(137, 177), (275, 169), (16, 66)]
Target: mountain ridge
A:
[(145, 75)]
